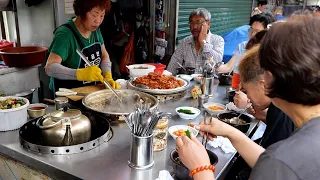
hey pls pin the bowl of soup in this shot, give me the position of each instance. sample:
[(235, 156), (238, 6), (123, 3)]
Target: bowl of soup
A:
[(214, 108), (242, 123), (37, 110)]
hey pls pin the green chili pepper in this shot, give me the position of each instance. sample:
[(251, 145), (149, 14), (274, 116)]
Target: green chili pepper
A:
[(185, 111), (188, 133)]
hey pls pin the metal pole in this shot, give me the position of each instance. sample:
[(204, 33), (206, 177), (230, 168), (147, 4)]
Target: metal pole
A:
[(304, 4), (3, 30)]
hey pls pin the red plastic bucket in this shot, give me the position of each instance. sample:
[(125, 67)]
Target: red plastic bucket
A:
[(159, 67)]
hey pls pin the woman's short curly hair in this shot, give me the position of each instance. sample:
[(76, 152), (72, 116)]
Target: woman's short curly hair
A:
[(249, 67), (81, 7)]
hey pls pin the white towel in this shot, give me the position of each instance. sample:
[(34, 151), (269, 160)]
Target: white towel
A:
[(165, 72), (224, 143), (123, 83), (164, 175), (232, 107)]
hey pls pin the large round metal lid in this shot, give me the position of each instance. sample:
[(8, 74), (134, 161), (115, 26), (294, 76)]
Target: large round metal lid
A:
[(70, 113)]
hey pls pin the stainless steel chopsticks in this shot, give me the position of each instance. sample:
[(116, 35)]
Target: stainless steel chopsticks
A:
[(83, 57), (205, 137)]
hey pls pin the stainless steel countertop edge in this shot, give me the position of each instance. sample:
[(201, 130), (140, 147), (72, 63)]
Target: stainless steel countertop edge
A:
[(45, 168)]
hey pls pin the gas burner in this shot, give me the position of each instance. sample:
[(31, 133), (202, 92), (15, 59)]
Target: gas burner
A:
[(32, 140)]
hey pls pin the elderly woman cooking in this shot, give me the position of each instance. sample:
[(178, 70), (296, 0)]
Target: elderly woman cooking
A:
[(202, 45), (291, 64), (64, 65)]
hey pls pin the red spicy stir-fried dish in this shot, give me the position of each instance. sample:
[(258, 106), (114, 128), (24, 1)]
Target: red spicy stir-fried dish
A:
[(157, 81)]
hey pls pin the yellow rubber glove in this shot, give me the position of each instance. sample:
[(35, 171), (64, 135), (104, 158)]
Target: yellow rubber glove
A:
[(90, 73), (108, 77)]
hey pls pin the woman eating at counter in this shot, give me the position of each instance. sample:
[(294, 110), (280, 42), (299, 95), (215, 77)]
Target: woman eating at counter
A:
[(257, 23), (279, 125), (82, 32), (240, 98), (291, 73)]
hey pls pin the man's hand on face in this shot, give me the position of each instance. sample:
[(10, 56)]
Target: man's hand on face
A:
[(203, 33)]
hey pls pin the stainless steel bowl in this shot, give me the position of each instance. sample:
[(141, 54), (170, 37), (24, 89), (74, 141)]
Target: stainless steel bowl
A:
[(26, 94), (37, 110)]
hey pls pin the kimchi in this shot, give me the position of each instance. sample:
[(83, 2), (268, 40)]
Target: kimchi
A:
[(157, 81)]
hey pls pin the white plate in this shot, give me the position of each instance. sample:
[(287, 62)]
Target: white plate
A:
[(162, 91), (188, 116), (178, 127), (195, 75), (208, 104), (185, 77)]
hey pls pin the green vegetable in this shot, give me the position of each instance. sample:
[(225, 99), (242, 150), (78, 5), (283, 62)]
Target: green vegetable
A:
[(185, 111), (188, 133)]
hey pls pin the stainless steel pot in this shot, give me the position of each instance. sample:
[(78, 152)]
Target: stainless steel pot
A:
[(105, 102), (65, 128)]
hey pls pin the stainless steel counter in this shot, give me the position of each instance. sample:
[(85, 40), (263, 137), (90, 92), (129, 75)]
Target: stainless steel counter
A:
[(109, 160)]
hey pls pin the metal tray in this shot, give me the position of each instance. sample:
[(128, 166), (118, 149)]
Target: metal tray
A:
[(31, 139), (161, 91), (102, 95)]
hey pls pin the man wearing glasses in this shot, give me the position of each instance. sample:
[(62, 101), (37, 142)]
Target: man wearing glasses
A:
[(202, 45)]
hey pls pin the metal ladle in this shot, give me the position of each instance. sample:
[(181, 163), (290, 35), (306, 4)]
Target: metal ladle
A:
[(83, 57), (142, 86), (235, 120)]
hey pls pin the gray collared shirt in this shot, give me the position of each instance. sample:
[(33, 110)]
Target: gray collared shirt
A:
[(186, 54)]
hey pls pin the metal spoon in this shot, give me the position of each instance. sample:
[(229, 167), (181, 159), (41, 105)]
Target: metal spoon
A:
[(181, 66), (231, 71), (237, 119), (142, 86)]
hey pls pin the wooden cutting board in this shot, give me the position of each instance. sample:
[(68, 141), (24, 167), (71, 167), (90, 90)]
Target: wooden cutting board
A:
[(85, 90)]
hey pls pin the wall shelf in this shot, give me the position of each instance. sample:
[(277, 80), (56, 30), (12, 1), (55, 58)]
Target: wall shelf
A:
[(10, 8)]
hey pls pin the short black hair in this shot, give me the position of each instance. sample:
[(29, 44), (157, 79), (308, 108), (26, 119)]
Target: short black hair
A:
[(259, 18), (270, 17), (291, 52), (256, 39), (262, 2)]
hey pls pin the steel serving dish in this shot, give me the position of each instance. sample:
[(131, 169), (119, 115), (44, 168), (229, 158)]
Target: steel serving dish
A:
[(98, 98), (161, 91)]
